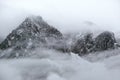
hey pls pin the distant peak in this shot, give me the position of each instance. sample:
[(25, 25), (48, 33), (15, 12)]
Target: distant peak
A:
[(89, 23)]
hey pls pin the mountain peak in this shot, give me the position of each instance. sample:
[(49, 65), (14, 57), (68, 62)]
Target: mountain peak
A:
[(33, 18), (32, 21), (34, 28)]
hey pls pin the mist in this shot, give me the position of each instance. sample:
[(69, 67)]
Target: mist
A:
[(23, 58), (66, 15)]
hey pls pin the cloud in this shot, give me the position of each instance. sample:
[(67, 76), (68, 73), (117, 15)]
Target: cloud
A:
[(66, 15)]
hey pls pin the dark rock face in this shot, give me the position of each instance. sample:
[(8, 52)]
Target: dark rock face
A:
[(104, 41), (87, 44), (83, 45), (33, 32)]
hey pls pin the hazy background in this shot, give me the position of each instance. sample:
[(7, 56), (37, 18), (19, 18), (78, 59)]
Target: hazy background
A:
[(66, 15)]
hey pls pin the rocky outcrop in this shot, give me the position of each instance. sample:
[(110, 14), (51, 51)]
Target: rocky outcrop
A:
[(105, 41), (83, 45)]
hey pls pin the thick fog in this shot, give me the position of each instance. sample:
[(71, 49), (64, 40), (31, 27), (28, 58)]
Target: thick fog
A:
[(66, 15)]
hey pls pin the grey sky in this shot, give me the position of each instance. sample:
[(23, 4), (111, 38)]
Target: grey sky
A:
[(66, 15)]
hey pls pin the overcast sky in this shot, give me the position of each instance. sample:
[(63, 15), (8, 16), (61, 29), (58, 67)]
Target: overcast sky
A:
[(66, 15)]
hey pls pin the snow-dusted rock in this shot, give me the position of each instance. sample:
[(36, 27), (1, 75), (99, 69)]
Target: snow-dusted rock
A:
[(83, 45), (87, 44), (33, 32), (105, 41)]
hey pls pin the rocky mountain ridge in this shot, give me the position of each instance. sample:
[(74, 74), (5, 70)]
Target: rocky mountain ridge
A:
[(34, 32)]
